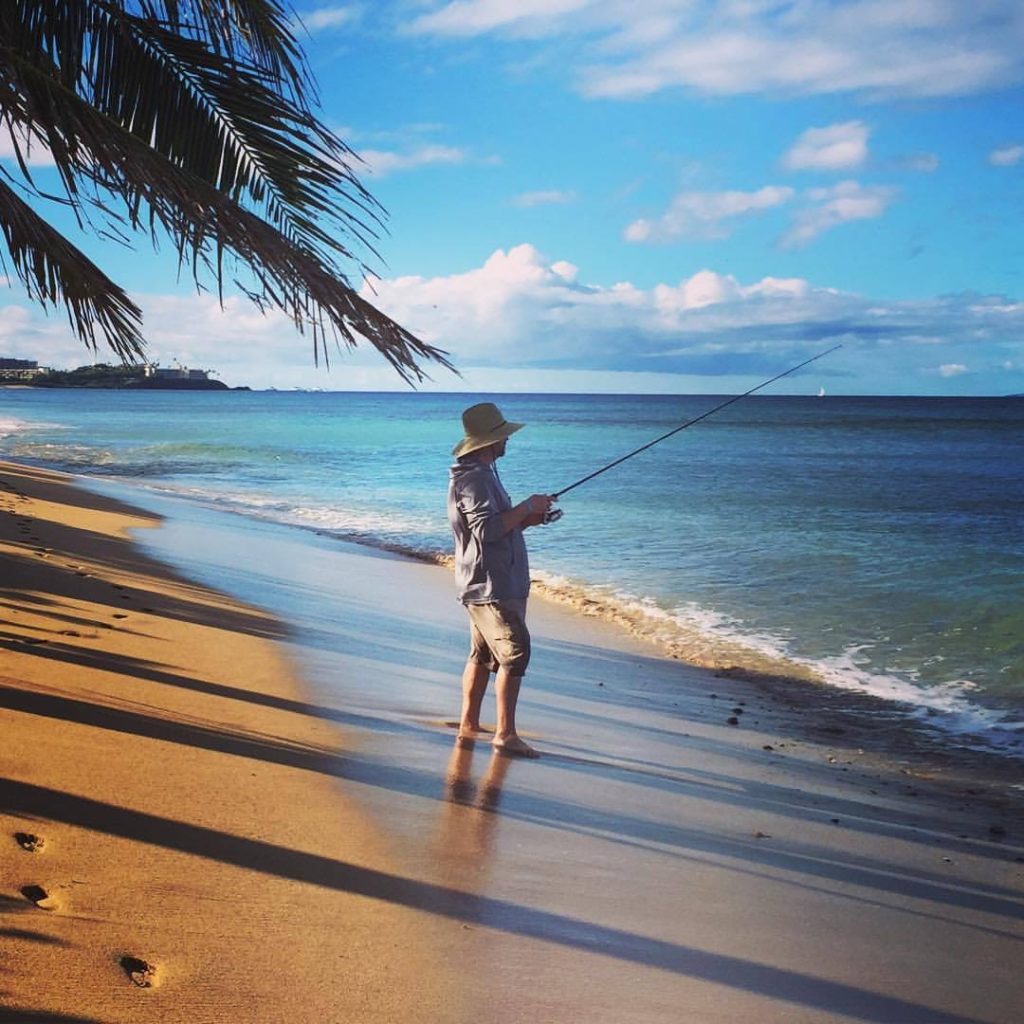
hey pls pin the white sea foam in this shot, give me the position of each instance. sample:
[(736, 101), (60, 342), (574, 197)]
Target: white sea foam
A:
[(369, 526), (689, 632), (702, 636), (9, 426)]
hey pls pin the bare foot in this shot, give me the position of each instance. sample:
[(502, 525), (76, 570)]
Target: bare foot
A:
[(469, 733), (514, 747)]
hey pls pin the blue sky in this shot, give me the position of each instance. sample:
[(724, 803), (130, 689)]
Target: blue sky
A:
[(666, 196)]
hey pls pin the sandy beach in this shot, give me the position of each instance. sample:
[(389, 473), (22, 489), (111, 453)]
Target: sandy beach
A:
[(251, 808), (158, 762)]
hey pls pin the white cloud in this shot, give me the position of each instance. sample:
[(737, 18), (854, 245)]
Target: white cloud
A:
[(547, 197), (1007, 156), (522, 321), (464, 18), (327, 18), (952, 369), (520, 310), (840, 204), (833, 148), (877, 48), (382, 162), (703, 214)]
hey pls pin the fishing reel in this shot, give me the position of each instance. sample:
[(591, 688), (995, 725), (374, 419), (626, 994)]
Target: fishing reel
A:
[(552, 516)]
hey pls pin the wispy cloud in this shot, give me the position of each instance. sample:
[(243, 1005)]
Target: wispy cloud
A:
[(322, 18), (382, 162), (952, 370), (1007, 156), (833, 148), (465, 18), (877, 48), (840, 204), (546, 197), (706, 214)]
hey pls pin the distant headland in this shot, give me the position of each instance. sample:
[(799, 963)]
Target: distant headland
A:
[(135, 377)]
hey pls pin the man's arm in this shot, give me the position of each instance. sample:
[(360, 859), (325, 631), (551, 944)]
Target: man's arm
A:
[(476, 502)]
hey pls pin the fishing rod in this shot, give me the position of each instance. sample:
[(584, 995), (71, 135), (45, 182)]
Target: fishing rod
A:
[(553, 515)]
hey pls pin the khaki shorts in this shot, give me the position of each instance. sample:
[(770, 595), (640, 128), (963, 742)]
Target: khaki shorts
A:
[(498, 636)]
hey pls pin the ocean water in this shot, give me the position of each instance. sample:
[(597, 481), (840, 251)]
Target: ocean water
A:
[(874, 544)]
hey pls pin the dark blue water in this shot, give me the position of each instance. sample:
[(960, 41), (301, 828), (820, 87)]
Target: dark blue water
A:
[(870, 543)]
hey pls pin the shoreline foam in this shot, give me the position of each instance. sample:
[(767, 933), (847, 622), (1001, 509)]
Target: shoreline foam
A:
[(700, 638), (695, 636)]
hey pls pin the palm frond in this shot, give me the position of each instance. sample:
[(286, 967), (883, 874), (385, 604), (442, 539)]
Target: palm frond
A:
[(252, 31), (197, 125), (203, 222), (54, 272), (226, 122)]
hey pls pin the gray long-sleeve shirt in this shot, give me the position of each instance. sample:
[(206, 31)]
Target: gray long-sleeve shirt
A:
[(490, 562)]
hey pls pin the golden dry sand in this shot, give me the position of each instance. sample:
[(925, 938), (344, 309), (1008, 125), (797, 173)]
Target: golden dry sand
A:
[(155, 756)]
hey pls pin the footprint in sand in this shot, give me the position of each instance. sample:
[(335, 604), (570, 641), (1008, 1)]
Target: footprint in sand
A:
[(119, 615), (40, 897), (30, 842), (140, 972)]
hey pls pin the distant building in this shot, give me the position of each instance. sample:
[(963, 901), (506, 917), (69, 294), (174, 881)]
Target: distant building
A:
[(174, 372), (19, 369)]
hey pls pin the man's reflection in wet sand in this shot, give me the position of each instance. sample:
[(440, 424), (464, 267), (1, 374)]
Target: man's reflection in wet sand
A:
[(469, 821)]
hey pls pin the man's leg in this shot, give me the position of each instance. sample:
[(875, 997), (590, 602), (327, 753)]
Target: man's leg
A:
[(474, 685), (506, 739)]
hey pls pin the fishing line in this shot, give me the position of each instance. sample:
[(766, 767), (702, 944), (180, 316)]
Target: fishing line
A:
[(555, 514)]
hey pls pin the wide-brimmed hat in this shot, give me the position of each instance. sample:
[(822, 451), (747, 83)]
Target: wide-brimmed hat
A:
[(484, 425)]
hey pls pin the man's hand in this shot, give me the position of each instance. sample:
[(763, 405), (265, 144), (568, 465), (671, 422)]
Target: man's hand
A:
[(537, 506)]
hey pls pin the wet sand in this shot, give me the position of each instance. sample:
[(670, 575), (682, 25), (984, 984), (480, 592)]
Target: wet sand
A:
[(304, 806)]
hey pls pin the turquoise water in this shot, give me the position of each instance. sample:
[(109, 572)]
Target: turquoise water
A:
[(871, 543)]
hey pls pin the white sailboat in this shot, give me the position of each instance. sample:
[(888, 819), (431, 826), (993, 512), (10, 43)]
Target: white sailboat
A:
[(821, 392)]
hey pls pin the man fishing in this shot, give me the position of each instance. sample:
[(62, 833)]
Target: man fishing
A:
[(491, 568), (492, 573)]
